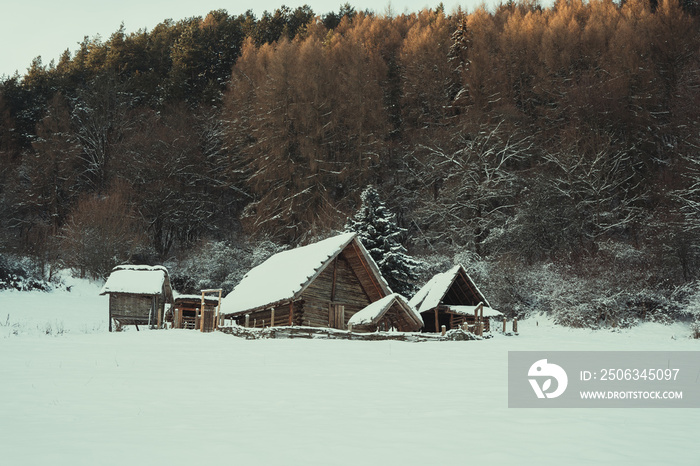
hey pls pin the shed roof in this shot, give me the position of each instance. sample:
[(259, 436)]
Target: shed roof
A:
[(469, 310), (284, 276), (375, 311), (434, 292), (136, 279)]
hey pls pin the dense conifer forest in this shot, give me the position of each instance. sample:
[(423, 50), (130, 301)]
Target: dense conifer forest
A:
[(554, 151)]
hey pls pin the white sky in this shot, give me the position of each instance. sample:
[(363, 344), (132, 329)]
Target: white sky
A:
[(47, 27)]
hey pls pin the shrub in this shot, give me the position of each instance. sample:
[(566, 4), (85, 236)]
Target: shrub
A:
[(218, 264), (20, 274), (695, 330)]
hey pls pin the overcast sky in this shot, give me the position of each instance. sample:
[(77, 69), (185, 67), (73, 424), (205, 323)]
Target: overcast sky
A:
[(47, 27)]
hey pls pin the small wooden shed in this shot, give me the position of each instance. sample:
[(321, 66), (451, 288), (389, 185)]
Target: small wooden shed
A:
[(138, 295), (187, 310), (390, 312), (319, 285), (452, 299)]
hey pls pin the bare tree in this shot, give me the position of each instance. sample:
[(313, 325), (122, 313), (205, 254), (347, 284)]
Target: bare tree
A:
[(470, 191)]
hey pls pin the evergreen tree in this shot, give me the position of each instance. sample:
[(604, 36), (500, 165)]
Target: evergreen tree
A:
[(378, 231)]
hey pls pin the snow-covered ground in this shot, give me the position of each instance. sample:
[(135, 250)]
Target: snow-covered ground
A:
[(72, 394)]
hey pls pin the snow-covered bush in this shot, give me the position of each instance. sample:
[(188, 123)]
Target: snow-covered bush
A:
[(687, 300), (695, 330), (589, 294), (21, 274), (218, 264)]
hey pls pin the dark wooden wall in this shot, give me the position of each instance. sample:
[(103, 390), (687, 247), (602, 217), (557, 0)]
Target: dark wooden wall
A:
[(134, 308), (319, 295)]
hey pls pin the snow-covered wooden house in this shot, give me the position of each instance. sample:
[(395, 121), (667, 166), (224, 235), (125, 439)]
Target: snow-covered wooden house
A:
[(451, 299), (187, 310), (138, 295), (320, 285), (390, 312)]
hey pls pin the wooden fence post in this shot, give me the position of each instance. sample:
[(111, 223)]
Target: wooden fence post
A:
[(272, 317), (218, 310), (443, 330), (247, 320), (504, 325), (515, 325)]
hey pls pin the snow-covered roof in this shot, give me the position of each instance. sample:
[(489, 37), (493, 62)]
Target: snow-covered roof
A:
[(136, 279), (432, 293), (285, 275), (469, 310), (374, 312), (209, 297)]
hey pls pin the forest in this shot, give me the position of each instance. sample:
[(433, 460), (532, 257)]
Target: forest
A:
[(554, 151)]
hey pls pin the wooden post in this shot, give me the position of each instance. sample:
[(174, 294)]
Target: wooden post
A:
[(201, 312), (291, 313), (481, 329), (504, 325), (335, 271), (272, 317), (443, 330), (161, 311), (247, 320), (110, 312), (437, 322), (515, 325), (218, 308)]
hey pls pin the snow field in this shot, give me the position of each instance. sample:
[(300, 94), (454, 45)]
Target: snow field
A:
[(86, 396)]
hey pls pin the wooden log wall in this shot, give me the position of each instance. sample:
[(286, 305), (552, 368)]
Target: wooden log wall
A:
[(346, 289), (130, 309), (263, 318)]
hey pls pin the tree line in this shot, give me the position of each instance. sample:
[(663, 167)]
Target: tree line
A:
[(565, 135)]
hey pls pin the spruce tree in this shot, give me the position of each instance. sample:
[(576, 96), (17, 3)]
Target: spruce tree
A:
[(378, 231)]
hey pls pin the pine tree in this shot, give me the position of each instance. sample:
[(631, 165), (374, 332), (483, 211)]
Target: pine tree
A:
[(378, 231)]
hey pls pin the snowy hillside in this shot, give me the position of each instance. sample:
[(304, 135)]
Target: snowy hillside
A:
[(73, 394)]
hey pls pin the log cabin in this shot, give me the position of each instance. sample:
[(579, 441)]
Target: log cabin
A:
[(452, 299), (390, 312), (187, 310), (138, 295), (319, 285)]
